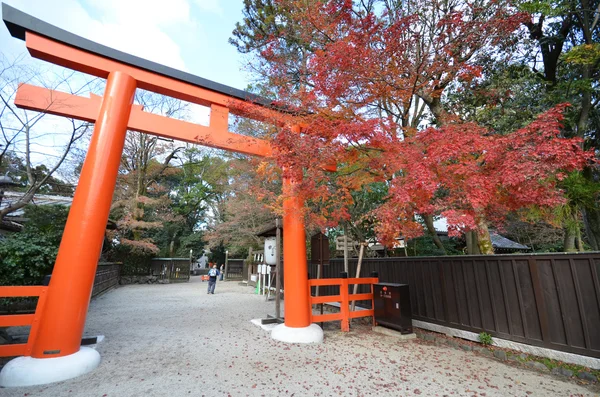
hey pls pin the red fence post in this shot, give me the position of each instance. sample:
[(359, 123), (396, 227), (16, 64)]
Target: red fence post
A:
[(344, 305)]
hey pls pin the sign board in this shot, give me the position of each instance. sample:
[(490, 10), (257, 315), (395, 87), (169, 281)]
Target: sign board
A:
[(340, 240), (319, 249), (399, 243)]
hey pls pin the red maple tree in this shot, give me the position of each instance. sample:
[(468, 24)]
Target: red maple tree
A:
[(365, 84)]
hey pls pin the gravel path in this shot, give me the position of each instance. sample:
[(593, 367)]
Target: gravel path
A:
[(175, 340)]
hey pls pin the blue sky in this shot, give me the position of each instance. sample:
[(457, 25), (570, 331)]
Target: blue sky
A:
[(190, 35)]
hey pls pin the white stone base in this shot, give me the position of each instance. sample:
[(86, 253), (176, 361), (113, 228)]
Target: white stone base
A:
[(571, 358), (29, 371), (311, 334)]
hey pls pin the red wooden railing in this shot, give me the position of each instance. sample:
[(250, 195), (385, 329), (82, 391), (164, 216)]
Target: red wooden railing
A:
[(13, 320), (344, 298)]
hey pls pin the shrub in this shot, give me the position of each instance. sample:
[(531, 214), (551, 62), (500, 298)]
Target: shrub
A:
[(26, 257), (486, 339)]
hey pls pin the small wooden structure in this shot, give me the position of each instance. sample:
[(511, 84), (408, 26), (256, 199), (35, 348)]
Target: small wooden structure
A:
[(344, 298)]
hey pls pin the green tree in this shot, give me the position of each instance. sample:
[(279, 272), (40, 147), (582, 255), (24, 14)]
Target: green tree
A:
[(560, 63), (27, 256)]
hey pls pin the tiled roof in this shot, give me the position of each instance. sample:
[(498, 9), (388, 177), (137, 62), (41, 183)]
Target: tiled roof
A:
[(39, 199), (501, 242)]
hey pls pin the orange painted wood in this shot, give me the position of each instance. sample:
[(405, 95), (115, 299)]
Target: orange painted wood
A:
[(35, 325), (338, 281), (361, 297), (344, 305), (21, 291), (15, 320), (61, 54), (366, 280), (216, 135), (344, 298), (58, 103), (325, 281), (320, 318), (12, 350), (297, 306), (325, 299), (62, 321), (361, 313)]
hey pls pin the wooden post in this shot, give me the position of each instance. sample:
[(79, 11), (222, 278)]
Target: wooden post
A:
[(346, 249), (278, 268), (319, 265), (344, 306), (358, 265), (250, 264), (374, 275)]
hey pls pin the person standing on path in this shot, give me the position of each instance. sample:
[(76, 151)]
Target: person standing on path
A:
[(221, 272), (212, 279)]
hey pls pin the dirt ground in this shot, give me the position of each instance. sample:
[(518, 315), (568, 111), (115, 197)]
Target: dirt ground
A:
[(175, 340)]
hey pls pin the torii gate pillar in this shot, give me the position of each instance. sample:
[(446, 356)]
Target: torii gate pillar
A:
[(297, 327), (61, 325)]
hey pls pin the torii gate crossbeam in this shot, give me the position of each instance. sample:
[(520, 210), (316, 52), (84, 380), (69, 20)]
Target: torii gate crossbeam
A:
[(57, 335)]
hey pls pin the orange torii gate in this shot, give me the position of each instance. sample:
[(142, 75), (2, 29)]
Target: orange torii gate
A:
[(53, 351)]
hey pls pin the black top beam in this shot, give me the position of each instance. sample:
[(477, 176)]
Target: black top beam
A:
[(19, 22)]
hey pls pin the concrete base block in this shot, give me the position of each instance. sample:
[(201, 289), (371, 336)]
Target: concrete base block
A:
[(311, 334), (394, 333), (29, 371), (571, 358)]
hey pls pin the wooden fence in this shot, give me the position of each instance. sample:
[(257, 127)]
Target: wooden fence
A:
[(107, 277), (235, 269), (549, 300), (343, 298), (19, 320), (172, 269)]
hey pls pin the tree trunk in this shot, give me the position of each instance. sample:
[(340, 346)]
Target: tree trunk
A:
[(472, 245), (484, 241), (591, 216), (578, 239), (569, 241), (591, 221), (358, 266), (432, 233)]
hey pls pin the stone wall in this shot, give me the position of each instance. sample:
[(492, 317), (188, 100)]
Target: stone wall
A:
[(125, 280)]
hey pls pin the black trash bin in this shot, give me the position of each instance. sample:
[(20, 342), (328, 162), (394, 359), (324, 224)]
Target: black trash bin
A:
[(392, 306)]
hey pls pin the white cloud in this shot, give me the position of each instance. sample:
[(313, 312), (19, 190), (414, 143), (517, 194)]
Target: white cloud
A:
[(133, 26), (210, 5), (167, 32)]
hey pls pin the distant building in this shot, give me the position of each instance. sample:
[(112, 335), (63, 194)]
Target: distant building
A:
[(501, 244), (15, 220)]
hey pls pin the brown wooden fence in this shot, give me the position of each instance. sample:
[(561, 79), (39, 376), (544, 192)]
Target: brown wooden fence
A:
[(235, 269), (549, 300), (173, 269), (107, 277)]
